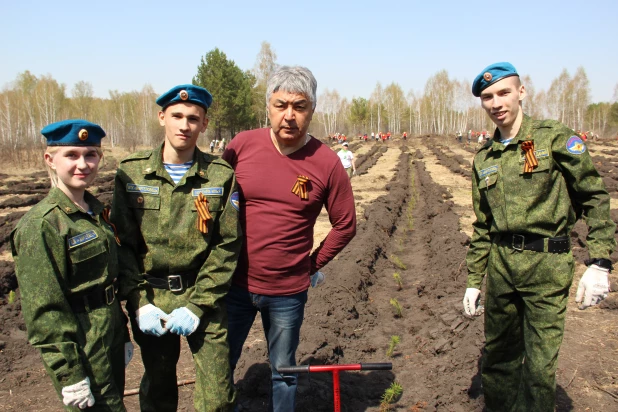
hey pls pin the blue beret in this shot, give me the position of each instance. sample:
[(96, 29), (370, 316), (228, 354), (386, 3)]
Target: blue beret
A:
[(187, 93), (75, 132), (490, 75)]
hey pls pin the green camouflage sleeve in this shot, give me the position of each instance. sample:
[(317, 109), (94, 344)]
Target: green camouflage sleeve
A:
[(587, 191), (40, 264), (215, 275), (480, 244), (130, 278)]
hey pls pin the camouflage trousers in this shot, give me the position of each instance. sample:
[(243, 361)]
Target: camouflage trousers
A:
[(213, 389), (106, 332), (525, 308)]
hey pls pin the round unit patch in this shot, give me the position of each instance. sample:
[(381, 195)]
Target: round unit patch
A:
[(235, 201), (575, 145)]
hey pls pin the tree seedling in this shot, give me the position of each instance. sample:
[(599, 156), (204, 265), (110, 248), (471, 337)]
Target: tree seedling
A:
[(392, 346), (397, 278), (397, 262), (397, 307), (391, 395), (12, 297)]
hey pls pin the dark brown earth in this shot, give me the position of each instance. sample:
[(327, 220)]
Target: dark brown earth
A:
[(412, 230)]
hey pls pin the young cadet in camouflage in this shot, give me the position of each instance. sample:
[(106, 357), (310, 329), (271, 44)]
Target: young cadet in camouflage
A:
[(530, 184), (180, 232), (66, 265)]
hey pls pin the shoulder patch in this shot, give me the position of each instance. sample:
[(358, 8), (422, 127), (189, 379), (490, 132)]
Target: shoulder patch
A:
[(151, 190), (144, 154), (235, 201), (575, 145), (82, 238)]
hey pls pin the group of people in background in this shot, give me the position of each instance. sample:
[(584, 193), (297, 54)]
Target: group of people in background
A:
[(197, 245), (218, 144)]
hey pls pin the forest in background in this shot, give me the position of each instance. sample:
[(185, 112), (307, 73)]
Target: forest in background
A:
[(444, 106)]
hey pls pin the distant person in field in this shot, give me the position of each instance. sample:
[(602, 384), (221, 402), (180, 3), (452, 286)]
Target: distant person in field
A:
[(459, 136), (405, 136), (469, 136), (65, 253), (530, 185), (285, 177), (176, 210), (347, 160), (212, 146)]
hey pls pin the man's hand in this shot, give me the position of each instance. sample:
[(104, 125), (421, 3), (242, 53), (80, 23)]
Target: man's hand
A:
[(317, 279), (182, 322), (128, 353), (149, 319), (470, 301), (78, 395), (593, 286)]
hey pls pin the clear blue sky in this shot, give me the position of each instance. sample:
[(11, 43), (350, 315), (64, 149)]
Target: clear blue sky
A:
[(349, 45)]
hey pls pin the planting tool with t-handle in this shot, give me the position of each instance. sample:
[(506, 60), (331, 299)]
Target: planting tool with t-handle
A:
[(335, 369)]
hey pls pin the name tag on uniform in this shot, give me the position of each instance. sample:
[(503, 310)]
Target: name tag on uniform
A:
[(488, 171), (82, 238), (208, 191), (540, 153), (151, 190)]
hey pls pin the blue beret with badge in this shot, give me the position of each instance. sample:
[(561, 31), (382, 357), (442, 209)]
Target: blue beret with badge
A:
[(186, 93), (492, 74), (74, 132)]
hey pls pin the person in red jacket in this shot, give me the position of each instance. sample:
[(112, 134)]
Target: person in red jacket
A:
[(285, 177)]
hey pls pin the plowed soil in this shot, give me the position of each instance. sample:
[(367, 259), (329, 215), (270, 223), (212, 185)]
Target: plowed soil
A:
[(414, 216)]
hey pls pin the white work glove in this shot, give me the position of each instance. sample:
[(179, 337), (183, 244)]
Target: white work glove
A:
[(317, 279), (78, 395), (182, 322), (354, 173), (593, 286), (149, 318), (128, 353), (470, 302)]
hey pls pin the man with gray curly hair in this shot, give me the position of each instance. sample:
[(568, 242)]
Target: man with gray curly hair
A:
[(285, 177)]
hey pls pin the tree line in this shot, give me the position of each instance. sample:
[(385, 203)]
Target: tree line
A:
[(444, 106), (447, 106)]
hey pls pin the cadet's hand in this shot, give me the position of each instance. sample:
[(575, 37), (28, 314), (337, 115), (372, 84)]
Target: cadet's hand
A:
[(128, 353), (470, 301), (149, 319), (78, 395), (593, 286), (354, 173), (182, 322), (317, 279)]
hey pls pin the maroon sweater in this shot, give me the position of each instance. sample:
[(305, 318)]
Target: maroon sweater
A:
[(277, 224)]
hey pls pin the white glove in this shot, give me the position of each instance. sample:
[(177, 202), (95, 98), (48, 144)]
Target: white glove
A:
[(317, 279), (470, 302), (149, 318), (78, 395), (182, 322), (593, 286), (128, 353)]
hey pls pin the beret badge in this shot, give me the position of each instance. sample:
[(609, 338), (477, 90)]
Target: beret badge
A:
[(487, 76), (183, 95), (83, 135)]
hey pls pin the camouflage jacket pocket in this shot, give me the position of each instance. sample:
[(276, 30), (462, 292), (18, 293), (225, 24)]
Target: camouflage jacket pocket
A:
[(89, 263), (490, 187), (537, 181), (140, 201)]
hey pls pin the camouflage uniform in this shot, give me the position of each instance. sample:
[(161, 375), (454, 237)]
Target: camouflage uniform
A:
[(157, 225), (63, 257), (527, 291)]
